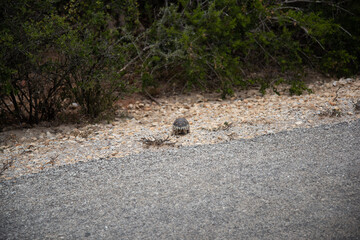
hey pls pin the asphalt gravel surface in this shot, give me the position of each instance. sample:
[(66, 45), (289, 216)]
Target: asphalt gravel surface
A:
[(301, 184)]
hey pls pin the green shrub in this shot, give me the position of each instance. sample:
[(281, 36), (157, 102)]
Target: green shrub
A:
[(56, 52), (92, 53), (216, 44), (31, 76), (47, 57)]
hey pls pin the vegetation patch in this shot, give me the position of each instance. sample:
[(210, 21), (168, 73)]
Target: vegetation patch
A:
[(56, 53)]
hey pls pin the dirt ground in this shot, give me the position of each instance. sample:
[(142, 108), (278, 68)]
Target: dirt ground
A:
[(144, 125)]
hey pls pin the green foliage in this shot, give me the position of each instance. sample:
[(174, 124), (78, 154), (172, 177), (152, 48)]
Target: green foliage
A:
[(52, 54), (56, 52), (215, 44), (92, 54), (298, 87), (337, 62), (29, 80)]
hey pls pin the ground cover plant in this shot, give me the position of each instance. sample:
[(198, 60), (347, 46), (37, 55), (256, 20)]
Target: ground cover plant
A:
[(56, 52)]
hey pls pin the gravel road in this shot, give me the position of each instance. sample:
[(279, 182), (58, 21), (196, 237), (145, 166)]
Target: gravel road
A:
[(301, 184)]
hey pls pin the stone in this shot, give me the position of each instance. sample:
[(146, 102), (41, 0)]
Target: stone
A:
[(74, 105)]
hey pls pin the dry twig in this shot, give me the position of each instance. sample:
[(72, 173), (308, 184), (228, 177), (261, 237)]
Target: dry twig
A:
[(151, 97), (225, 126), (337, 91), (52, 160), (153, 141), (6, 165)]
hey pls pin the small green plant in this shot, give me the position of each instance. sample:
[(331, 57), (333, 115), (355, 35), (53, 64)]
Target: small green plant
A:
[(298, 87)]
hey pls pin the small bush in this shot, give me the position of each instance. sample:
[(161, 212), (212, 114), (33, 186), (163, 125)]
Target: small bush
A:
[(53, 53), (217, 44), (31, 76), (47, 57)]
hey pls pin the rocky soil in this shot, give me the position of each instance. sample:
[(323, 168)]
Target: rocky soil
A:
[(146, 126)]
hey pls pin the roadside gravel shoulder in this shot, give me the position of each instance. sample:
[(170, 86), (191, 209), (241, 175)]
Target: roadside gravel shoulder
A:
[(299, 184)]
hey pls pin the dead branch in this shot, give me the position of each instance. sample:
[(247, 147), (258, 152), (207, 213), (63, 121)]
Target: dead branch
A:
[(317, 1), (52, 161), (337, 91), (6, 165), (266, 52), (151, 97), (303, 28), (153, 141)]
